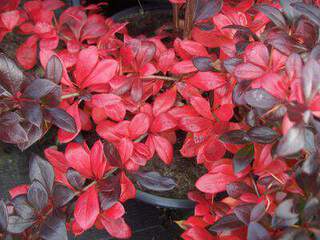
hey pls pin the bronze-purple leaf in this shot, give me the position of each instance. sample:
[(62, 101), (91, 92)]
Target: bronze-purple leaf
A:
[(243, 211), (226, 223), (54, 69), (308, 10), (39, 88), (273, 14), (75, 179), (62, 119), (33, 133), (243, 158), (17, 224), (32, 112), (3, 216), (61, 195), (236, 189), (262, 134), (203, 64), (259, 98), (22, 207), (257, 212), (257, 232), (235, 137), (37, 196), (154, 181), (42, 171), (112, 154), (311, 80), (54, 228), (207, 8)]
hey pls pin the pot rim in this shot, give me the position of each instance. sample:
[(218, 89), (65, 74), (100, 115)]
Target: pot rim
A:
[(164, 201)]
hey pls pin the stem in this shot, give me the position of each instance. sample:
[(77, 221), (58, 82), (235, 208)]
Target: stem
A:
[(175, 13), (255, 185), (141, 138), (189, 14), (70, 95), (160, 77)]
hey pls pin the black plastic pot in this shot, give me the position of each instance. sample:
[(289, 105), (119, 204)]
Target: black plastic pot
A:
[(163, 201)]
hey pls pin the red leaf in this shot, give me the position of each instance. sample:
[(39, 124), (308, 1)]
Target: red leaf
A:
[(207, 81), (202, 106), (193, 48), (194, 124), (98, 160), (87, 60), (164, 101), (103, 72), (102, 100), (56, 159), (79, 159), (27, 53), (166, 60), (248, 71), (87, 208), (183, 67), (116, 227), (125, 149), (116, 211), (136, 89), (128, 190), (197, 233), (94, 27), (214, 183), (18, 190), (10, 19), (116, 112), (139, 125), (258, 54), (163, 122), (65, 136), (163, 148)]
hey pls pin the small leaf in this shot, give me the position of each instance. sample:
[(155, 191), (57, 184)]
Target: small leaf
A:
[(11, 76), (62, 119), (75, 179), (236, 189), (54, 69), (243, 158), (235, 137), (226, 223), (203, 64), (243, 211), (310, 11), (61, 195), (258, 212), (155, 182), (292, 142), (257, 232), (259, 98), (262, 135), (3, 216), (37, 196), (273, 14), (17, 224), (22, 207), (42, 171), (54, 228)]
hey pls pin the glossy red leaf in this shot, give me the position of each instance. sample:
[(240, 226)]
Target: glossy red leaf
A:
[(163, 148), (184, 67), (257, 53), (207, 81), (164, 101), (248, 71), (10, 19), (214, 183), (87, 208), (202, 106), (27, 53), (163, 122), (139, 125), (65, 136), (125, 148), (106, 99), (194, 124), (79, 159), (98, 160), (128, 190), (114, 212), (116, 227)]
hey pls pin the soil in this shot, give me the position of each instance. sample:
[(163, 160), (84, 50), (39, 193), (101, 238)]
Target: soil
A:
[(185, 172)]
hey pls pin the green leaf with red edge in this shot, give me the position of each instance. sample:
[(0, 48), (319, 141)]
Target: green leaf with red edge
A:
[(226, 223), (262, 135), (98, 160), (87, 208), (214, 182), (163, 148), (164, 101)]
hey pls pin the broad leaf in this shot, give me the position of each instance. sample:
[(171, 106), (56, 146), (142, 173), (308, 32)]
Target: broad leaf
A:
[(62, 119), (292, 142), (155, 182), (243, 158), (259, 98), (18, 224), (262, 135), (284, 214), (42, 171), (37, 196), (54, 69), (11, 76), (54, 228), (226, 223), (61, 195)]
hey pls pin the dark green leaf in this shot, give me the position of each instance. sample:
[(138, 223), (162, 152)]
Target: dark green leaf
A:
[(243, 158)]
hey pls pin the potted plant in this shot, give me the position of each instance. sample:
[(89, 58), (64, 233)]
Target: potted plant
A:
[(236, 84)]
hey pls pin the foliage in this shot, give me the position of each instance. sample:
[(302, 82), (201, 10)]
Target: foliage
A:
[(239, 78)]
